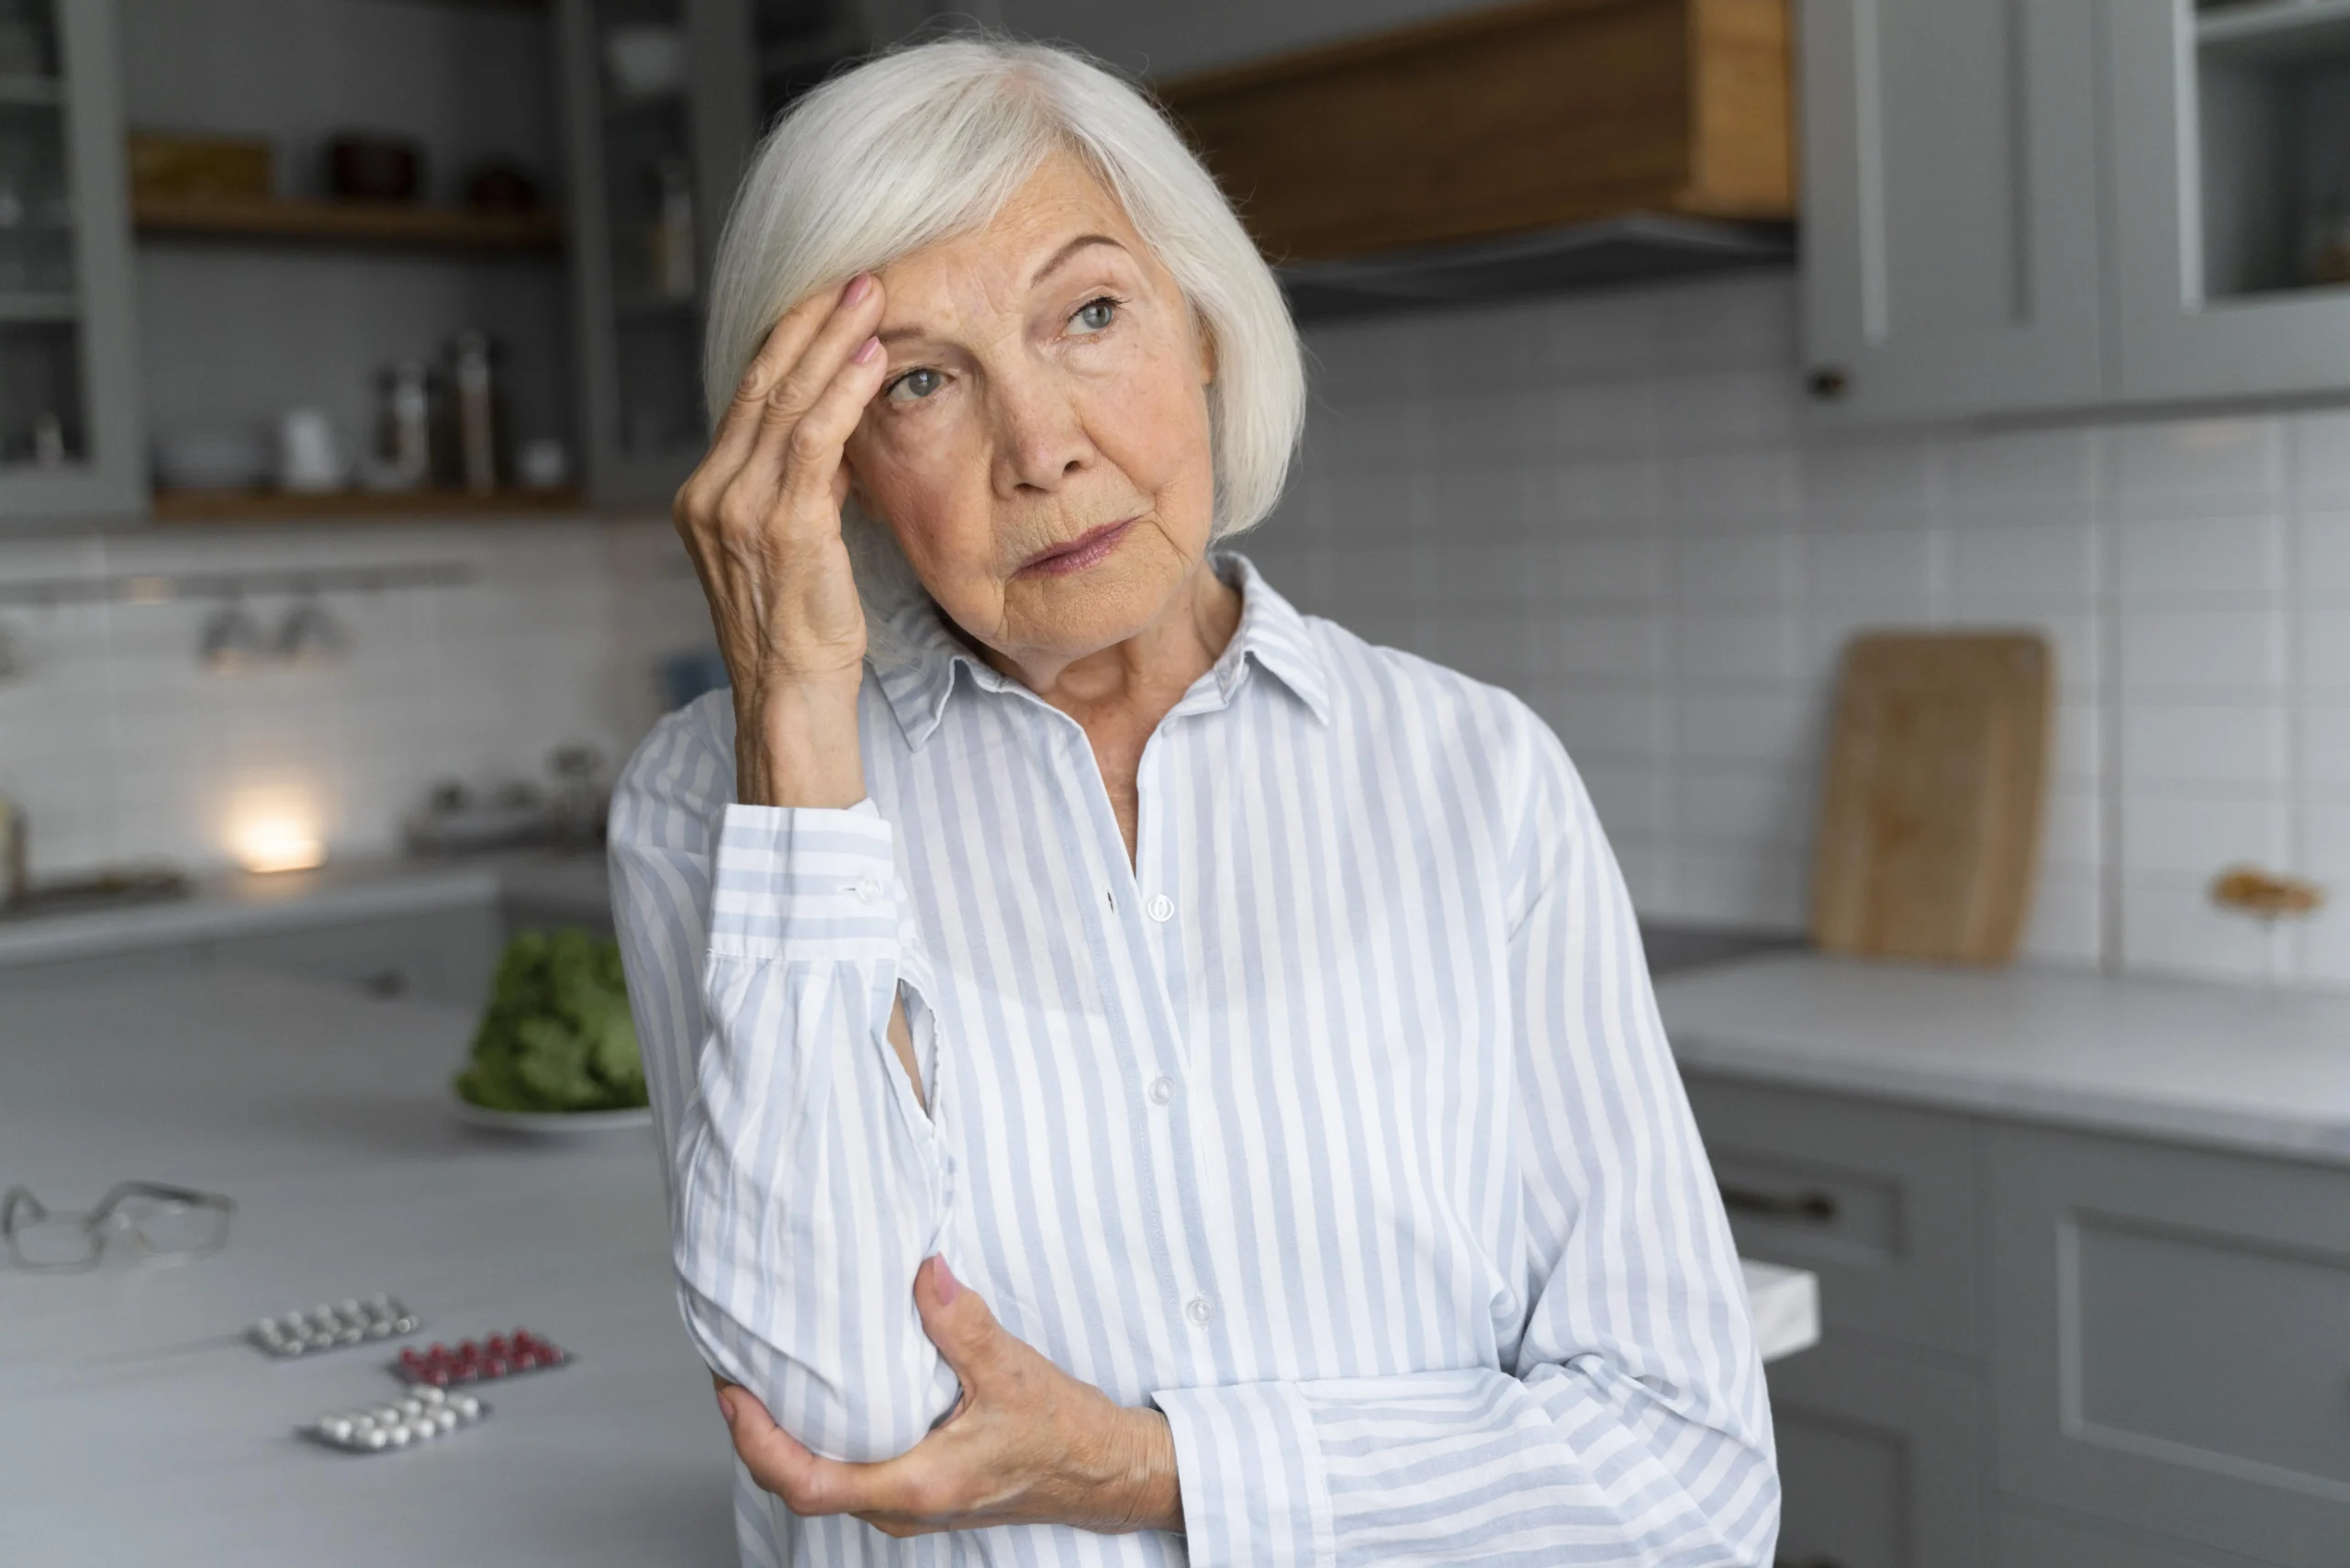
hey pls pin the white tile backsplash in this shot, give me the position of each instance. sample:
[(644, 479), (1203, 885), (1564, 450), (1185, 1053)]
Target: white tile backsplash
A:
[(1705, 559), (1607, 502), (120, 747)]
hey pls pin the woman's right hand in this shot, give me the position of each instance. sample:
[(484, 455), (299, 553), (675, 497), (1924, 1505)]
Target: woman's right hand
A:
[(761, 519)]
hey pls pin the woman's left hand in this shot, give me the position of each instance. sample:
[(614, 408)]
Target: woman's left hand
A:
[(1026, 1444)]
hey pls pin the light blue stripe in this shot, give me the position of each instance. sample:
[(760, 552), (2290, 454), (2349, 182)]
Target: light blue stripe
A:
[(1412, 1070)]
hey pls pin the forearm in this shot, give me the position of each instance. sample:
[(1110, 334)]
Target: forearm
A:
[(796, 744)]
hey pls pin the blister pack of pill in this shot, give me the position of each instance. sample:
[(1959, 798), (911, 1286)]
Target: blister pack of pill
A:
[(325, 1327), (419, 1417), (500, 1355)]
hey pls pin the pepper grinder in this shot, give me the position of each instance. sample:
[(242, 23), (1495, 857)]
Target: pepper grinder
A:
[(476, 417)]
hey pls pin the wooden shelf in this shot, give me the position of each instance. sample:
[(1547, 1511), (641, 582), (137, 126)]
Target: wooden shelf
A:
[(280, 505), (349, 223)]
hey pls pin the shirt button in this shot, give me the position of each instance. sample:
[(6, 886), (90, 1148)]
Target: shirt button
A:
[(1198, 1310), (1162, 1089), (867, 888), (1162, 907)]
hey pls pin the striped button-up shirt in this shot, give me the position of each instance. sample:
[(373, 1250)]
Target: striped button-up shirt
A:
[(1337, 1125)]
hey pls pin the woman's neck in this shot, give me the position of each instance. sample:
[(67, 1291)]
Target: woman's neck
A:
[(1131, 684)]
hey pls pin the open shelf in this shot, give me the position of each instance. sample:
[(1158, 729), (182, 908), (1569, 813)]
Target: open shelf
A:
[(280, 505), (349, 223)]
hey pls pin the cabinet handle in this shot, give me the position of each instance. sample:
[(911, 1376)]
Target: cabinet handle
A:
[(1828, 382), (1813, 1205)]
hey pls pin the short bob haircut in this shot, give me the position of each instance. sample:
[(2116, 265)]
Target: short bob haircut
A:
[(928, 142)]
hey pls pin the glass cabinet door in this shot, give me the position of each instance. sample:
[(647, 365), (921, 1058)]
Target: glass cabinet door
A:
[(2230, 135), (68, 419)]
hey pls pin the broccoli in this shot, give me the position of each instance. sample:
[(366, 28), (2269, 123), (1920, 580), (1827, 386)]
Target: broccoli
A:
[(557, 1035)]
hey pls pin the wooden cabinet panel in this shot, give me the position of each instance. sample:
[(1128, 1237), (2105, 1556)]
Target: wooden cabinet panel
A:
[(1951, 201), (1879, 1462), (2174, 1340), (1522, 118), (1877, 1200)]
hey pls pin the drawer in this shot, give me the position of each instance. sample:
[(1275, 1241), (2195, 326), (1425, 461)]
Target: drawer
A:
[(2174, 1340), (1880, 1465), (1878, 1201), (2035, 1541), (446, 956)]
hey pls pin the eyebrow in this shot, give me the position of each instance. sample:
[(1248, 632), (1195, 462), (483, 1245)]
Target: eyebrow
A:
[(1059, 257)]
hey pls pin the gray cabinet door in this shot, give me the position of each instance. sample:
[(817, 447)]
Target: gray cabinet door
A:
[(2173, 1345), (1876, 1200), (447, 955), (69, 370), (1879, 1462), (1950, 207), (2030, 1540), (2202, 146)]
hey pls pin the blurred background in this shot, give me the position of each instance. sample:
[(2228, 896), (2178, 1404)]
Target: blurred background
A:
[(1901, 447)]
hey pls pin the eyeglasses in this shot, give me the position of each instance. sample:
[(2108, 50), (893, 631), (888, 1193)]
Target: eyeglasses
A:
[(160, 1224)]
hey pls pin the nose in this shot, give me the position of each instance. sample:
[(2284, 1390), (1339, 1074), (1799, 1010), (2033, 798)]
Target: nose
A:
[(1041, 444)]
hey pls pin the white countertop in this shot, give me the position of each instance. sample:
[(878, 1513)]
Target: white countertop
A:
[(2268, 1071), (237, 903), (136, 1428)]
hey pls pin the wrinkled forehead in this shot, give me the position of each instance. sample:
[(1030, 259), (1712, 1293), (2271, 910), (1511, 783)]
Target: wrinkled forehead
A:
[(1037, 235)]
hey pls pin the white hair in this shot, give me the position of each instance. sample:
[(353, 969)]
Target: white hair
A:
[(928, 142)]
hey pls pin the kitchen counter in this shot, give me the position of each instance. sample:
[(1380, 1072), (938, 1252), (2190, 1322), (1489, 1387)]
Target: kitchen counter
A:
[(552, 884), (2267, 1072), (137, 1428)]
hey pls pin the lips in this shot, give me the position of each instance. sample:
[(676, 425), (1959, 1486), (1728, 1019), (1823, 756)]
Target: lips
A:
[(1077, 554)]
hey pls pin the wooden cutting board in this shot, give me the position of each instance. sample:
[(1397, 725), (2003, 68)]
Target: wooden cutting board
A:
[(1937, 774)]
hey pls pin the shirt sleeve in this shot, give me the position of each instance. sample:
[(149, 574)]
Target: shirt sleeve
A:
[(764, 947), (1630, 1426)]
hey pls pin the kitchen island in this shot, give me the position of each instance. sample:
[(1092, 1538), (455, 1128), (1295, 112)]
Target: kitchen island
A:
[(136, 1427), (2084, 1251)]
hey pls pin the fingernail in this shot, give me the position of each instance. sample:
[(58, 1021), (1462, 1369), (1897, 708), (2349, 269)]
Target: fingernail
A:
[(868, 351), (858, 288), (726, 1407), (948, 1283)]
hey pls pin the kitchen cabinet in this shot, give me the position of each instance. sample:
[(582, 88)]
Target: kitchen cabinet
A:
[(446, 957), (1879, 1460), (663, 102), (1951, 244), (71, 441), (2171, 1351), (2231, 202), (2014, 206)]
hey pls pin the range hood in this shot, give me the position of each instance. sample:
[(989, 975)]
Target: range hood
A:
[(1606, 254), (1543, 145)]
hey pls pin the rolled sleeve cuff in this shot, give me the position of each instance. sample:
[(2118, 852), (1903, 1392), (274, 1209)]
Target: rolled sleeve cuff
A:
[(814, 883), (1250, 1471)]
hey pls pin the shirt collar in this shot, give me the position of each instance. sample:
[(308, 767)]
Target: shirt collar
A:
[(917, 661)]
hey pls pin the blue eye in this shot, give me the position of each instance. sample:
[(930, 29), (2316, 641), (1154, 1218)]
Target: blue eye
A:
[(1095, 315), (915, 385)]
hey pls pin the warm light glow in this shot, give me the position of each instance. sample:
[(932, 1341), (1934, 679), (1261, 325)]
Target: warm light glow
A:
[(276, 842)]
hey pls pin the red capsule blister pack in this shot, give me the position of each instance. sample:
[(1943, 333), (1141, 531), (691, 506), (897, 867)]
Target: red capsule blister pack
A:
[(500, 1355)]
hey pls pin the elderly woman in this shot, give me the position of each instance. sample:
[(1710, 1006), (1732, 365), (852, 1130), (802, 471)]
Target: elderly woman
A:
[(1144, 1073)]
